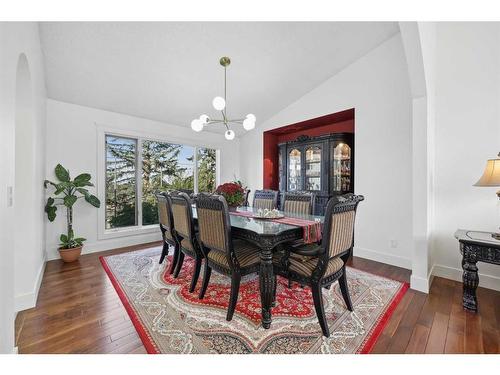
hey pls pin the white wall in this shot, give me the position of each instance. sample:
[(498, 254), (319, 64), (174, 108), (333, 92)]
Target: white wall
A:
[(15, 39), (467, 134), (377, 86), (72, 141)]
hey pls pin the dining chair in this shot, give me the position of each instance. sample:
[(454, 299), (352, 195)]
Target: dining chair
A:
[(185, 231), (189, 192), (320, 265), (228, 256), (166, 222), (247, 193), (265, 199), (298, 202)]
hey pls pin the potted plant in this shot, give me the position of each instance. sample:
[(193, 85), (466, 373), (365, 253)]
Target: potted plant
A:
[(233, 192), (67, 193)]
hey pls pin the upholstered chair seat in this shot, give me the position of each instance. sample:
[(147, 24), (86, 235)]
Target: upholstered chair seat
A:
[(246, 254), (306, 265)]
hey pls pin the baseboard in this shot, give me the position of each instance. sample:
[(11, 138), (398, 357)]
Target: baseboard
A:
[(28, 300), (108, 244), (377, 256), (485, 281)]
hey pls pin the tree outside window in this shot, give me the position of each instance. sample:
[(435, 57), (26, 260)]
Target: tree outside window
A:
[(163, 166)]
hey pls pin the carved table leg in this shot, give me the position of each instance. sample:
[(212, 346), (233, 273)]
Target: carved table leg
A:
[(274, 290), (266, 278), (470, 283)]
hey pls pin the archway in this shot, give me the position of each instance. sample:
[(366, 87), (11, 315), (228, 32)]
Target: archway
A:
[(24, 183)]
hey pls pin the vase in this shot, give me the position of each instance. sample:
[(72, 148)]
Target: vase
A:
[(70, 255)]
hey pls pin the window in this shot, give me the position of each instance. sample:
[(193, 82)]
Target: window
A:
[(121, 161), (164, 166), (138, 168), (206, 170)]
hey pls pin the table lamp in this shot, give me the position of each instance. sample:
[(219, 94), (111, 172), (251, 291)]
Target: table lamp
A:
[(491, 177)]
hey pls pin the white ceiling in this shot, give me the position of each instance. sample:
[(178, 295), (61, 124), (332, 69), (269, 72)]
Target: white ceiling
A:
[(170, 71)]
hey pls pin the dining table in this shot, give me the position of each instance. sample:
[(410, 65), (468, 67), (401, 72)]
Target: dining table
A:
[(268, 235)]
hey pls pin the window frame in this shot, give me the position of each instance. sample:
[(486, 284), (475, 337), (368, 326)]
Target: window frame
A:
[(102, 132)]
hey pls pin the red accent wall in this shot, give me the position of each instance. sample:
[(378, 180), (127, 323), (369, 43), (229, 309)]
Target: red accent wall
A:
[(340, 122)]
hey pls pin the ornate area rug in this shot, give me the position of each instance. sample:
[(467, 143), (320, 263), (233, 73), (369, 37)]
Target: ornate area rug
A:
[(169, 319)]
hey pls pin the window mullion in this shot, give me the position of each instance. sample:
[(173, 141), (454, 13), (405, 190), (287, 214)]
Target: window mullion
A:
[(195, 170), (138, 185)]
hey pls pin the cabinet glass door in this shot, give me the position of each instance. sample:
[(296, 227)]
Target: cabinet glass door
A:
[(294, 170), (341, 168), (313, 168)]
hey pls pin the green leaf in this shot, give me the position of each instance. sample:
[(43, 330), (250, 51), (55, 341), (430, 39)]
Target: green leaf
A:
[(51, 212), (69, 200), (50, 209), (82, 179), (82, 191), (63, 238), (50, 202), (71, 234), (61, 173), (93, 200), (61, 187), (47, 183), (79, 241)]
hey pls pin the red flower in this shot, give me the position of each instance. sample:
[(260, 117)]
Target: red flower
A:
[(233, 192)]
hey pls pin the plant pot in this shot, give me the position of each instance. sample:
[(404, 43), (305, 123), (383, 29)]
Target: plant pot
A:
[(232, 208), (70, 255)]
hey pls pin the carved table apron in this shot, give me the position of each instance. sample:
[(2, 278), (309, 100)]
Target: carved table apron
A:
[(475, 247)]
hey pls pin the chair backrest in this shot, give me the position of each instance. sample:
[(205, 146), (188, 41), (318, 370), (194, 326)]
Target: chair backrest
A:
[(299, 202), (265, 199), (189, 192), (339, 224), (183, 215), (214, 225), (247, 193), (165, 216)]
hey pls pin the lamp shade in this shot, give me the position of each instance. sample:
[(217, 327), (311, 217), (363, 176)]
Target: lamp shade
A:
[(491, 174)]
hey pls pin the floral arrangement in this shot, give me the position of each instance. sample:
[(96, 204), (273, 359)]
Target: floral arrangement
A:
[(233, 192)]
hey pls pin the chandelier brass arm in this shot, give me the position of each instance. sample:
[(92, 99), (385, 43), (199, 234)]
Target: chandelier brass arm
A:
[(220, 104)]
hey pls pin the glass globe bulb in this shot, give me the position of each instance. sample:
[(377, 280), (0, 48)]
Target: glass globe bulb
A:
[(197, 125), (248, 124), (251, 117), (229, 134), (219, 103), (204, 119)]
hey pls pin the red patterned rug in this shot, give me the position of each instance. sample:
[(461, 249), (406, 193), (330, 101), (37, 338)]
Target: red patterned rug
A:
[(169, 319)]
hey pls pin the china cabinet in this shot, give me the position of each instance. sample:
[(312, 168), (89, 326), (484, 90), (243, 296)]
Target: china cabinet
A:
[(323, 165)]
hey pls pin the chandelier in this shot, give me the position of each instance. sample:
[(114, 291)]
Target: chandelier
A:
[(219, 104)]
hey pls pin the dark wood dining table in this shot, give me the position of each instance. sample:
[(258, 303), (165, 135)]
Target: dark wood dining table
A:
[(267, 235)]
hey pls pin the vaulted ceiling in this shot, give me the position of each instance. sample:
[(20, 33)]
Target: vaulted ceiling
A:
[(170, 71)]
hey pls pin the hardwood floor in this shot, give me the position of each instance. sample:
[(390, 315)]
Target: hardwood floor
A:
[(78, 311)]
